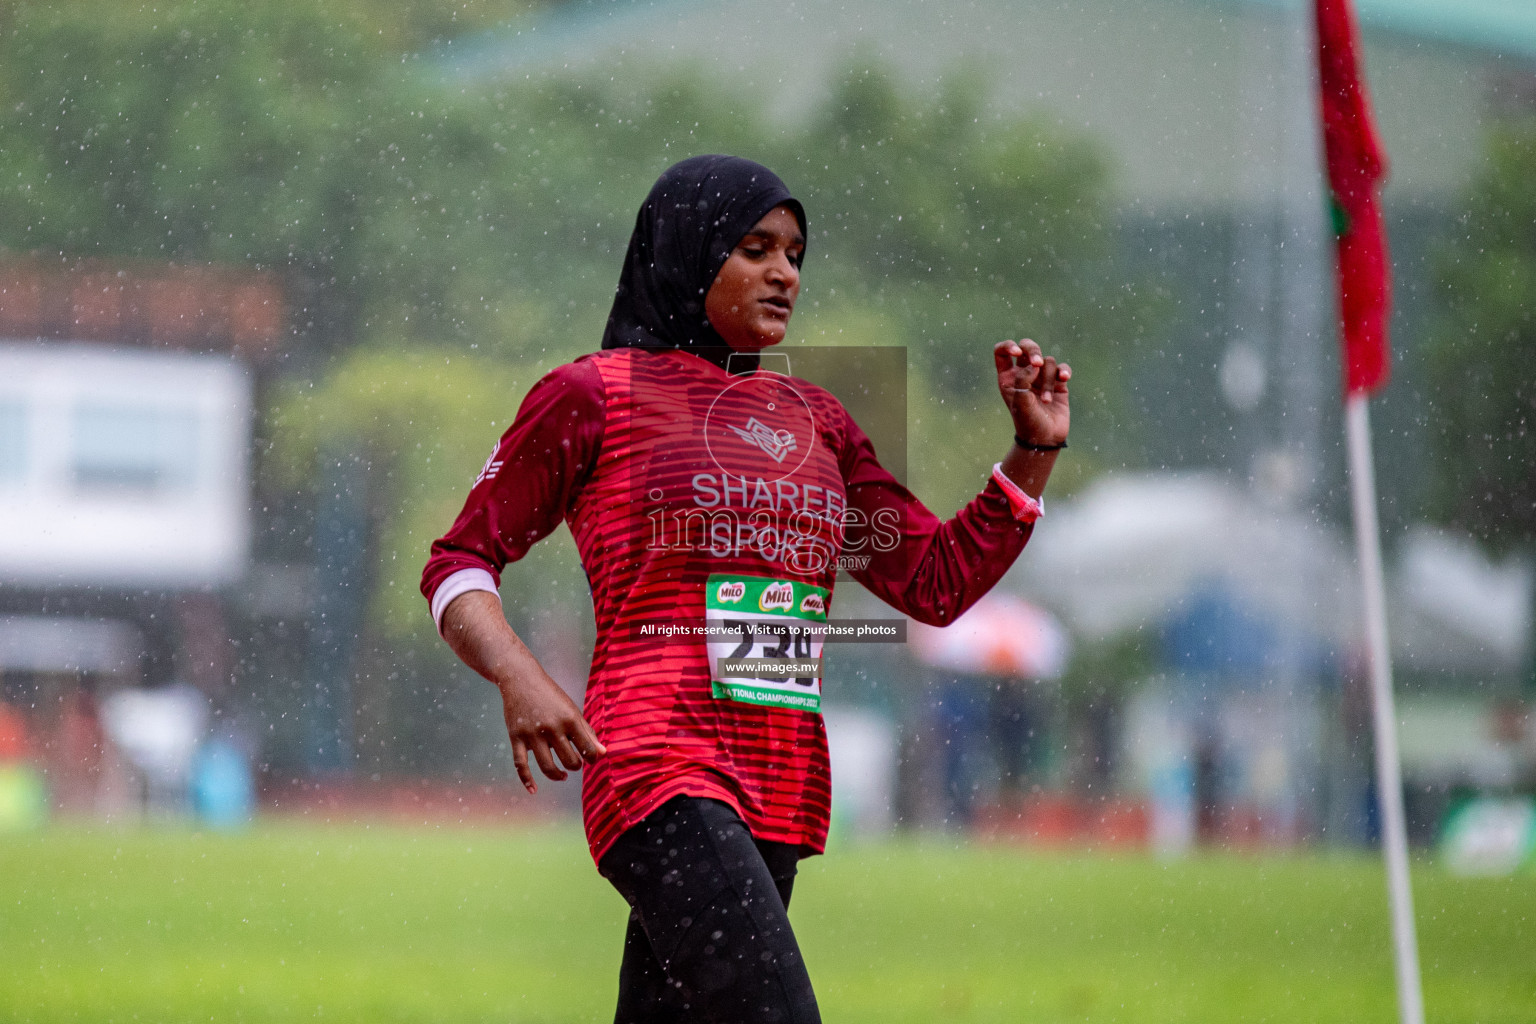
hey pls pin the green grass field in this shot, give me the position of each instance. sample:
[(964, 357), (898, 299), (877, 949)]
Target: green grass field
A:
[(383, 923)]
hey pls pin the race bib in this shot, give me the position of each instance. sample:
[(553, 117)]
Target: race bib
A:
[(764, 639)]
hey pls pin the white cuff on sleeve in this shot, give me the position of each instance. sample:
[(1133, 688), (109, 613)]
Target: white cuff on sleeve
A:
[(461, 582)]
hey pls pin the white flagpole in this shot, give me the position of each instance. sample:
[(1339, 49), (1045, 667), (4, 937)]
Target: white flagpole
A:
[(1389, 774)]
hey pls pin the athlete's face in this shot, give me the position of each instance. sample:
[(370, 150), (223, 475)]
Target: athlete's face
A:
[(751, 299)]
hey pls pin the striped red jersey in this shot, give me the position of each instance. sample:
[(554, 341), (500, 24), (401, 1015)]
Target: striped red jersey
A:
[(670, 471)]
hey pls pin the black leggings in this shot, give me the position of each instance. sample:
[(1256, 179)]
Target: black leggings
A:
[(709, 936)]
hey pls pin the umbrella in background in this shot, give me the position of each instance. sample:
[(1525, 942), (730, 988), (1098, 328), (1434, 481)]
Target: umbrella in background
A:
[(1001, 635)]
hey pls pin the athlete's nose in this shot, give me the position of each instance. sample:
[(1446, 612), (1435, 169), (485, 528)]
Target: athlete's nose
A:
[(782, 270)]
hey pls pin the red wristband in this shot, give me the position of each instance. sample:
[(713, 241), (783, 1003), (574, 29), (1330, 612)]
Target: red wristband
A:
[(1025, 508)]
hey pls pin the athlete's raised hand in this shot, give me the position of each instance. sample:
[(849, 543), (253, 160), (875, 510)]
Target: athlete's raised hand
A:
[(1034, 387), (541, 719)]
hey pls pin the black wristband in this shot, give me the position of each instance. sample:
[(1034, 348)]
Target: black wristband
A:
[(1037, 447)]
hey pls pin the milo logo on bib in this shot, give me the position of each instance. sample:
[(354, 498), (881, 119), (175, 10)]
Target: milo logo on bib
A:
[(764, 640), (777, 597)]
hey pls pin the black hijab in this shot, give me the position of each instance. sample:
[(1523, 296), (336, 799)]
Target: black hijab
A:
[(695, 214)]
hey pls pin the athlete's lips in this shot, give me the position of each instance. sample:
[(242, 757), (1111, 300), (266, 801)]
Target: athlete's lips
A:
[(778, 304)]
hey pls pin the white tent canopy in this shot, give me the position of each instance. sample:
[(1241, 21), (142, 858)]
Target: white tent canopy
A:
[(1130, 549)]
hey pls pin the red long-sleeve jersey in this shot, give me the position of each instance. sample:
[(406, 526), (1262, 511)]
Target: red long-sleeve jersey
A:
[(691, 494)]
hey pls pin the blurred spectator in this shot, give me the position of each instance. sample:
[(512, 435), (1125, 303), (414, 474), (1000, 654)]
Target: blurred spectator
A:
[(76, 754), (23, 798), (13, 735)]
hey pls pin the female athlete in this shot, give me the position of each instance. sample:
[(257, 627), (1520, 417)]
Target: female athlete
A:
[(710, 501)]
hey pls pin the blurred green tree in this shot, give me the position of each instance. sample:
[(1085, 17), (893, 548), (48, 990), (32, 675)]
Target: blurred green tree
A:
[(297, 137), (945, 225), (1483, 416)]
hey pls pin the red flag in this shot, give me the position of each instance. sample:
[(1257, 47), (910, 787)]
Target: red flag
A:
[(1356, 166)]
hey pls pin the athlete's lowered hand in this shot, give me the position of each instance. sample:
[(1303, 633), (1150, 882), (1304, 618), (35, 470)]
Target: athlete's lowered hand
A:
[(541, 719)]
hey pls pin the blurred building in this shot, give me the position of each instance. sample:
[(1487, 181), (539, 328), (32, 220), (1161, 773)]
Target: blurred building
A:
[(126, 403)]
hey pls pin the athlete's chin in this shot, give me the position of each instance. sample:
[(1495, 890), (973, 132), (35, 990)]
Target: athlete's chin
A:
[(772, 329)]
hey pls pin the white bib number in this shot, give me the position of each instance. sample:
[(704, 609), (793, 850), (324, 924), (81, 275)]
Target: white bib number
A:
[(765, 639)]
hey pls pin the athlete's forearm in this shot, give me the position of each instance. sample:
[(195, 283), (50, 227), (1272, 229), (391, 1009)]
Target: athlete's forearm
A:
[(478, 633), (542, 720)]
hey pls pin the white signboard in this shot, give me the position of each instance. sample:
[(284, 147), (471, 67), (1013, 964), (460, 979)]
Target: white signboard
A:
[(122, 467)]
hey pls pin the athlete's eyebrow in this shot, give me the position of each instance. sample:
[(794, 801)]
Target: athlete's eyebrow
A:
[(768, 236)]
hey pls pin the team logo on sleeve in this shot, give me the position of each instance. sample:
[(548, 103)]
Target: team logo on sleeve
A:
[(490, 469)]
